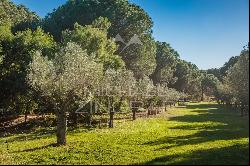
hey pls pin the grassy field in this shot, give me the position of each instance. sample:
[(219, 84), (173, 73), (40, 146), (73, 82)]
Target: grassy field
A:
[(198, 134)]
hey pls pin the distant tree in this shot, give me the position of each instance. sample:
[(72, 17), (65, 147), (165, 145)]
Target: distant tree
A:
[(215, 72), (181, 72), (146, 92), (234, 88), (208, 84), (69, 78), (166, 61), (119, 85), (221, 72), (231, 62), (127, 19), (188, 79)]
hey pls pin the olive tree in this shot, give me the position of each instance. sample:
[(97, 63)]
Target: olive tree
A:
[(143, 93), (119, 85), (71, 77)]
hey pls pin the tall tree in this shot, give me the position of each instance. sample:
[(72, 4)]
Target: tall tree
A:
[(166, 61), (238, 78), (208, 84), (119, 85), (128, 20), (188, 79)]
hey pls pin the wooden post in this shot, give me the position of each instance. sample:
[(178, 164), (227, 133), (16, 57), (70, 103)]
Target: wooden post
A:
[(134, 113)]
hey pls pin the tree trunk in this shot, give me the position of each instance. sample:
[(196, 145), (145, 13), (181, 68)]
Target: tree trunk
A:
[(61, 127), (111, 119), (89, 119), (134, 114), (202, 94), (242, 110), (25, 116)]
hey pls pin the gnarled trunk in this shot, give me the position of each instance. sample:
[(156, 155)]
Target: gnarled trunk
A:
[(61, 127)]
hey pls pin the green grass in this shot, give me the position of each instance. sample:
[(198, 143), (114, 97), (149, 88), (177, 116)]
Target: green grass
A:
[(199, 134)]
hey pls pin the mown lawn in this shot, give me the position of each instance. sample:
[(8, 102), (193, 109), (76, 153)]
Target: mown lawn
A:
[(199, 134)]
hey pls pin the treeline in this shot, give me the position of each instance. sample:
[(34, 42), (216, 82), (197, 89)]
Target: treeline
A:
[(69, 58), (232, 89)]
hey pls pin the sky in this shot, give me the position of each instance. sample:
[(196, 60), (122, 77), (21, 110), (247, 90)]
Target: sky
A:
[(204, 32)]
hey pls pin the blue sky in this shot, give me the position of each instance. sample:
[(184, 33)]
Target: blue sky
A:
[(205, 32)]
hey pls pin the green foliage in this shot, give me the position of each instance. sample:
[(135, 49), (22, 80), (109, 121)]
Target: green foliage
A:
[(5, 32), (71, 77), (17, 51), (145, 88), (238, 78), (5, 36), (141, 58), (116, 88), (96, 42), (222, 71), (209, 84), (188, 79), (17, 15), (126, 19), (119, 82), (234, 89), (101, 23), (166, 60)]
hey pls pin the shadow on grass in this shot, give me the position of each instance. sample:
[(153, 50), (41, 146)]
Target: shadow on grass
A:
[(26, 127), (203, 106), (236, 154), (37, 148), (227, 126), (199, 137), (42, 133)]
